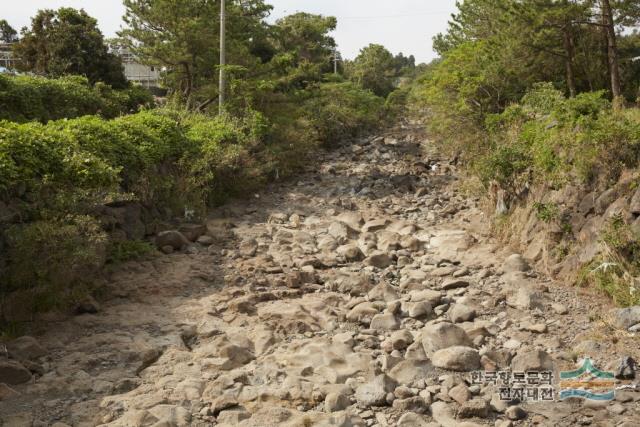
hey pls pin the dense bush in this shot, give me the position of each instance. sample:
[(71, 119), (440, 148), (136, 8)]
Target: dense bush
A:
[(28, 98), (560, 139), (342, 110)]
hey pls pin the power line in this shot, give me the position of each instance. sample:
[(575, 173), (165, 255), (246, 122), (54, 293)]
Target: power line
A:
[(406, 15)]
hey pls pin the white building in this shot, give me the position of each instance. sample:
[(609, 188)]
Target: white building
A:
[(134, 71), (7, 58)]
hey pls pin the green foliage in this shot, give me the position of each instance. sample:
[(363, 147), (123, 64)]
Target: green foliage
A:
[(547, 212), (128, 250), (374, 69), (342, 110), (68, 41), (53, 253), (183, 36), (29, 98), (565, 138), (7, 33)]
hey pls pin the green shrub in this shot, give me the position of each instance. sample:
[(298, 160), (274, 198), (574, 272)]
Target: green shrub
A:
[(55, 253), (127, 250), (42, 157), (558, 139), (342, 110), (32, 98)]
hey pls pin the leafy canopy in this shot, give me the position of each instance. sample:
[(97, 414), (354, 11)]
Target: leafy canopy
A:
[(68, 41)]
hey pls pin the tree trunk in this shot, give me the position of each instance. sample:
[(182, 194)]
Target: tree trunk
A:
[(570, 54), (612, 49)]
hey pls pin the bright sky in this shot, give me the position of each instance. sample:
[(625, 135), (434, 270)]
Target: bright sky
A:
[(405, 26)]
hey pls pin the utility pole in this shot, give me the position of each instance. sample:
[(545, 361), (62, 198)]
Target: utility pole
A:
[(223, 59), (336, 58)]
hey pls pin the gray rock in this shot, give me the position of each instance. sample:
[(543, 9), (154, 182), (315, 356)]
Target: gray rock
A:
[(634, 204), (172, 238), (248, 248), (454, 284), (385, 322), (416, 310), (13, 373), (515, 413), (379, 260), (411, 419), (515, 263), (383, 292), (462, 313), (426, 295), (335, 402), (401, 339), (205, 240), (531, 360), (604, 200), (442, 335), (26, 348), (526, 299), (362, 313), (625, 318), (7, 392), (374, 393), (460, 393), (351, 252), (458, 358), (374, 225), (410, 370), (475, 408), (192, 231), (412, 404), (560, 308)]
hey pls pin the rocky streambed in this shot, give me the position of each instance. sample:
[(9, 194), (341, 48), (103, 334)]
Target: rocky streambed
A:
[(365, 293)]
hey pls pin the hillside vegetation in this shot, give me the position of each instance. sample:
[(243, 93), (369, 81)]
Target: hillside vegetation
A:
[(74, 153), (538, 97)]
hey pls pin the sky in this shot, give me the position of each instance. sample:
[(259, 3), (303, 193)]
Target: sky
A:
[(405, 26)]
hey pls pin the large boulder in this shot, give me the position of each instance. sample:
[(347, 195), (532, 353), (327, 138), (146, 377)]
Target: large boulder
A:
[(26, 348), (410, 370), (443, 335), (515, 263), (374, 393), (379, 260), (625, 318), (385, 322), (13, 373), (172, 238), (457, 358), (532, 360)]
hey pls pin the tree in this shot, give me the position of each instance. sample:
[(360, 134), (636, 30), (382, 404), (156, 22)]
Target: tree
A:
[(373, 69), (307, 36), (610, 16), (303, 49), (404, 65), (68, 41), (7, 33), (182, 36), (551, 26)]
